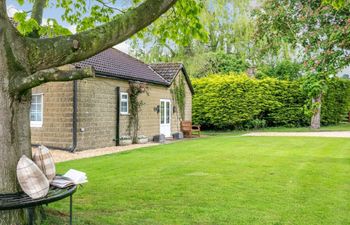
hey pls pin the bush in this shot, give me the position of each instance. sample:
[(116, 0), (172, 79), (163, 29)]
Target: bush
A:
[(236, 101), (284, 70), (256, 124), (336, 102)]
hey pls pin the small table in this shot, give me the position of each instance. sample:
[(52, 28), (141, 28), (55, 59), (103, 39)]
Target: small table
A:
[(21, 200)]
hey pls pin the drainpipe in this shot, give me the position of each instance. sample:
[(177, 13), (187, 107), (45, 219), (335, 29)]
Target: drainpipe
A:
[(117, 122), (74, 123), (75, 110)]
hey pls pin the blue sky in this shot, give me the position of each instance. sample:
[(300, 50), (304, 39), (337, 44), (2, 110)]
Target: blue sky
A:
[(55, 13)]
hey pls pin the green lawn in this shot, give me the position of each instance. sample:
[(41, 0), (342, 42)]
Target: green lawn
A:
[(216, 180), (339, 127)]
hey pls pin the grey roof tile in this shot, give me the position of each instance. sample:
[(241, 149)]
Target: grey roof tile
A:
[(116, 64), (167, 70)]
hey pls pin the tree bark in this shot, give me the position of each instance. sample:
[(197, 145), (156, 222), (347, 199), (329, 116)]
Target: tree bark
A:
[(316, 117), (14, 131)]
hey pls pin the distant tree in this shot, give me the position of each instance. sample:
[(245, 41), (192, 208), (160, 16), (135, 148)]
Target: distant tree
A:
[(284, 70), (223, 25), (337, 4), (318, 30), (219, 63)]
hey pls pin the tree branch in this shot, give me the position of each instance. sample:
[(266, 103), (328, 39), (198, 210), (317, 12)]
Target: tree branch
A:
[(38, 10), (63, 73), (53, 52), (3, 13), (111, 7), (14, 40)]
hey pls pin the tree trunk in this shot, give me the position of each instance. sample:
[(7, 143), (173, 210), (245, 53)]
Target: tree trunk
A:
[(24, 64), (316, 117), (14, 131)]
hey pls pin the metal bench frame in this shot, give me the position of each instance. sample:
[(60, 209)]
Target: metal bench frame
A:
[(21, 200)]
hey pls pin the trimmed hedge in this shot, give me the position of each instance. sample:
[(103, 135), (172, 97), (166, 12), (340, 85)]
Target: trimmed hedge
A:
[(336, 102), (239, 102)]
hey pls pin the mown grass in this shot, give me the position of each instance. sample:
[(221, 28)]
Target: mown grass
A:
[(339, 127), (216, 180)]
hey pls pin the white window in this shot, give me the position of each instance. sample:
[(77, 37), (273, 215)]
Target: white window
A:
[(124, 103), (36, 111)]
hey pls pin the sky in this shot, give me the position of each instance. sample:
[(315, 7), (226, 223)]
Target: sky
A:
[(55, 13)]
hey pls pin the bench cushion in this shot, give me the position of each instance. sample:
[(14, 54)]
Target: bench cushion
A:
[(31, 179), (43, 159)]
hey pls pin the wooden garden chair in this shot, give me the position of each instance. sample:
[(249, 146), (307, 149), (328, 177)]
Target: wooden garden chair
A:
[(188, 128)]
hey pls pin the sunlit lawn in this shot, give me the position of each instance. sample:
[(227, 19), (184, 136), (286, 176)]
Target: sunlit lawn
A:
[(216, 180), (340, 127)]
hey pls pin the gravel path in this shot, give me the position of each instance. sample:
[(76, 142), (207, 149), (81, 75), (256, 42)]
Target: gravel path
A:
[(302, 134), (61, 156)]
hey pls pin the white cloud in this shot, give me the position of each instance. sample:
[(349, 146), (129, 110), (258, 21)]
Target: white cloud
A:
[(44, 22), (344, 71), (124, 47), (11, 10), (72, 28)]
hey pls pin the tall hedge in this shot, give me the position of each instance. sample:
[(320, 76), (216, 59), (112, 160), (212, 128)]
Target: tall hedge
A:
[(237, 101), (336, 104)]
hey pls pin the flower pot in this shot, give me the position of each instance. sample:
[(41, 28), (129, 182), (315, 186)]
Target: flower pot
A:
[(178, 135), (142, 140), (125, 142), (159, 138)]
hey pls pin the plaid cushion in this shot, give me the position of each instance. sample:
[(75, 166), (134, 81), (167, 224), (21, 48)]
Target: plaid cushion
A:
[(32, 181), (44, 161)]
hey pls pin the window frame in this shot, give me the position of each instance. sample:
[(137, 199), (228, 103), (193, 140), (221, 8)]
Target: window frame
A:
[(124, 100), (37, 123)]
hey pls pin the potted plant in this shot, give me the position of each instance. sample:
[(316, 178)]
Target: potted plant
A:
[(178, 135), (142, 139), (125, 140)]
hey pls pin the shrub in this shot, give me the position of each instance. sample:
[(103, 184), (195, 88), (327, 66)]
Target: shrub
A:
[(256, 124), (284, 70), (235, 101), (336, 102)]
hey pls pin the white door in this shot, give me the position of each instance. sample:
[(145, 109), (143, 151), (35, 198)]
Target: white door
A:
[(165, 117)]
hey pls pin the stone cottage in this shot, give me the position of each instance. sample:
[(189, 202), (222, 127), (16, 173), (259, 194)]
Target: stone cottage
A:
[(94, 112)]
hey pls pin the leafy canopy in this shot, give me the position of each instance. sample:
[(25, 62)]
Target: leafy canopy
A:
[(182, 18), (220, 25), (318, 30)]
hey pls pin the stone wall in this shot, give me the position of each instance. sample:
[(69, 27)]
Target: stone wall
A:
[(56, 130), (96, 115), (97, 112)]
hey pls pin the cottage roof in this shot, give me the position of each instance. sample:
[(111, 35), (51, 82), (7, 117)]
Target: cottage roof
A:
[(167, 70), (113, 63), (170, 70)]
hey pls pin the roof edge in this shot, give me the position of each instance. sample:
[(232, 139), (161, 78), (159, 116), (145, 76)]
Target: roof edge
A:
[(150, 67), (189, 83), (114, 76), (181, 68)]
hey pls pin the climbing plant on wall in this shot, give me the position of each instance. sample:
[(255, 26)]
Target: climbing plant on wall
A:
[(179, 97), (135, 90)]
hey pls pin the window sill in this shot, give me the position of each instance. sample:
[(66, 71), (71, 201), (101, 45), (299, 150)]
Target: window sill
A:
[(36, 124)]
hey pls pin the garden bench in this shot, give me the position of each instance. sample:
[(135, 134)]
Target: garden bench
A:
[(188, 128), (21, 200)]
